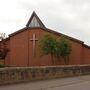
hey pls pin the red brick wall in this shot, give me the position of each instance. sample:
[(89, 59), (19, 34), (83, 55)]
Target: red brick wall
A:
[(21, 51), (1, 61), (7, 59), (76, 54), (86, 55), (75, 57), (37, 60)]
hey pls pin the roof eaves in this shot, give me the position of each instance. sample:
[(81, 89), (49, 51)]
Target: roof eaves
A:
[(86, 46), (19, 31), (49, 30), (71, 38)]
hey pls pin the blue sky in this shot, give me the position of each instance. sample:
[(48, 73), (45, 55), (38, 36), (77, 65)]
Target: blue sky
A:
[(70, 17)]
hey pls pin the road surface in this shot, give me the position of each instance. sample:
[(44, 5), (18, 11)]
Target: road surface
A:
[(73, 83)]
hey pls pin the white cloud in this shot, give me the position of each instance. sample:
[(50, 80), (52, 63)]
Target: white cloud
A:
[(70, 17)]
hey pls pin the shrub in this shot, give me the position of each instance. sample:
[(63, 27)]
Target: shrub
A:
[(2, 65)]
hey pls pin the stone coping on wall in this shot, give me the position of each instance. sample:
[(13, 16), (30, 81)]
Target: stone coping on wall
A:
[(10, 75), (61, 66)]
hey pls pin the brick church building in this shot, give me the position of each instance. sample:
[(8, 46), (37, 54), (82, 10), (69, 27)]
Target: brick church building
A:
[(23, 44)]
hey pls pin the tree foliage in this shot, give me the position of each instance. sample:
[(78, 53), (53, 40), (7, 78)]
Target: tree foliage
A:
[(60, 48), (64, 46), (3, 47), (48, 45)]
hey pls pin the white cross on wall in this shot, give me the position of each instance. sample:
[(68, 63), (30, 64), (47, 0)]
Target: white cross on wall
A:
[(34, 39)]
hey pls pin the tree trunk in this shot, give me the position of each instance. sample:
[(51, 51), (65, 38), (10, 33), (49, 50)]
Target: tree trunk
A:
[(66, 59), (52, 59)]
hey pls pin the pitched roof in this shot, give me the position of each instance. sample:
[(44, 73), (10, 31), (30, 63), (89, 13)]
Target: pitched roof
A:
[(42, 26), (45, 29), (51, 31), (34, 21)]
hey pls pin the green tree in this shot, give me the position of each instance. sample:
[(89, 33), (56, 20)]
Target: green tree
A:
[(48, 45), (64, 49), (59, 48)]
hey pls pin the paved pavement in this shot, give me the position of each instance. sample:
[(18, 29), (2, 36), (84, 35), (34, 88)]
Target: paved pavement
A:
[(74, 83)]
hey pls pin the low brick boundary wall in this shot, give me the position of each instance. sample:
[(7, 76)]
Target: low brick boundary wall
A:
[(22, 74)]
